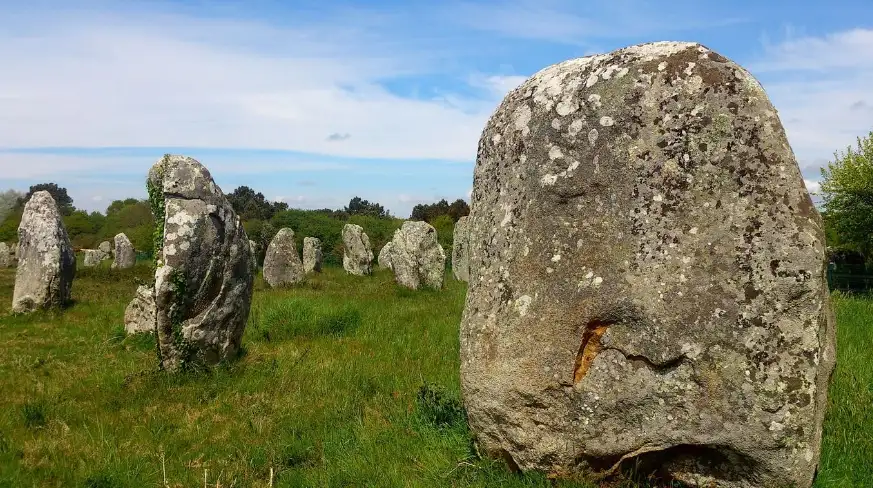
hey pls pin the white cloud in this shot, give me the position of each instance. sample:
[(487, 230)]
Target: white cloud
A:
[(163, 80), (812, 186), (821, 88)]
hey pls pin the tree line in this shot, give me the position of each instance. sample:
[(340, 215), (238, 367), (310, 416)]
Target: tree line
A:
[(261, 218), (846, 207)]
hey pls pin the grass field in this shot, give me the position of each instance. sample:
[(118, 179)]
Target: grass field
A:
[(344, 381)]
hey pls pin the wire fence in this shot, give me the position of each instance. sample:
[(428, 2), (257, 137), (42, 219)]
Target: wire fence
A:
[(850, 278)]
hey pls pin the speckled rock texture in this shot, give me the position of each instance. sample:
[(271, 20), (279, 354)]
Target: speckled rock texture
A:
[(384, 259), (647, 277), (92, 257), (460, 250), (312, 255), (203, 281), (417, 258), (46, 261), (125, 255), (357, 253), (139, 316), (7, 258), (254, 248), (105, 249), (282, 264)]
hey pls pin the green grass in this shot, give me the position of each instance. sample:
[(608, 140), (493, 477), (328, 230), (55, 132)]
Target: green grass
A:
[(343, 381)]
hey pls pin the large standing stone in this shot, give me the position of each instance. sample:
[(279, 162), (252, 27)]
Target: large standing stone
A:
[(357, 253), (139, 317), (647, 276), (384, 259), (46, 261), (7, 258), (125, 255), (460, 250), (282, 265), (417, 257), (203, 281), (312, 255)]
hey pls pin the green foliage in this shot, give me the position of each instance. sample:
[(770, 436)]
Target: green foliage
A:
[(62, 199), (359, 206), (177, 314), (83, 228), (847, 193), (436, 406), (157, 204), (445, 228), (428, 213), (251, 205), (34, 415), (9, 201), (9, 225)]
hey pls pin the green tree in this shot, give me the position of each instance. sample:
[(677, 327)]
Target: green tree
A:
[(62, 199), (359, 206), (847, 194), (8, 201), (252, 205)]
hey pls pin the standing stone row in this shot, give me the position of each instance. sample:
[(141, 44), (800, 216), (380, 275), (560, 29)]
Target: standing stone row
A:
[(124, 253)]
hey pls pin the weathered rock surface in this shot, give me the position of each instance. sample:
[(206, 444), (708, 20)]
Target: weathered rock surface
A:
[(417, 257), (282, 265), (357, 253), (203, 281), (139, 316), (92, 257), (647, 276), (384, 259), (312, 255), (125, 255), (105, 249), (7, 258), (460, 250), (46, 261), (254, 247)]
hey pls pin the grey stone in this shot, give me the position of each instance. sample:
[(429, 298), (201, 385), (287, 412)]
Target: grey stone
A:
[(203, 281), (312, 255), (282, 265), (357, 253), (139, 316), (93, 257), (647, 276), (105, 249), (7, 258), (254, 247), (46, 261), (460, 250), (384, 259), (417, 257), (125, 255)]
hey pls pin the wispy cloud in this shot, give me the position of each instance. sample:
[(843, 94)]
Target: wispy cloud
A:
[(821, 87), (161, 79)]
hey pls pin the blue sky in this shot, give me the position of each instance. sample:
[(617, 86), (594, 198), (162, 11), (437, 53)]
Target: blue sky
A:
[(316, 102)]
